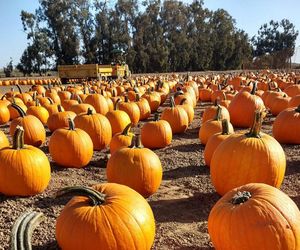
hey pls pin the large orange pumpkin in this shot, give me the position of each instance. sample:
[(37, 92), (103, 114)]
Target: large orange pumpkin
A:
[(116, 218), (255, 216), (246, 158), (136, 167), (24, 169)]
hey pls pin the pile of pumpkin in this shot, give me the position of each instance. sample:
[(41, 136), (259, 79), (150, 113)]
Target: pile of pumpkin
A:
[(97, 115), (29, 81)]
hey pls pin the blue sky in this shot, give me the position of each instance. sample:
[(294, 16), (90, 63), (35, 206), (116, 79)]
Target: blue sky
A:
[(249, 16)]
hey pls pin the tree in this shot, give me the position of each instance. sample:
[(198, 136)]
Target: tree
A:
[(276, 40), (9, 68)]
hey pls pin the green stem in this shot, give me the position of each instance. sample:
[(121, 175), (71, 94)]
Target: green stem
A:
[(19, 88), (240, 197), (19, 109), (71, 124), (225, 127), (256, 127), (136, 142), (172, 102), (95, 197), (254, 88), (127, 129), (18, 138), (117, 103), (218, 113)]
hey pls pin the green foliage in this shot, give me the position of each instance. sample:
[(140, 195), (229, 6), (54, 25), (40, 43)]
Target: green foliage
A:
[(275, 42), (8, 69), (156, 36)]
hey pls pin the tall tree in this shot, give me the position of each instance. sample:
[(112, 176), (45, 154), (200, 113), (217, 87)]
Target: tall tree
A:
[(276, 39)]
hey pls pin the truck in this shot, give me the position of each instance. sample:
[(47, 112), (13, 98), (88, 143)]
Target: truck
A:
[(92, 71)]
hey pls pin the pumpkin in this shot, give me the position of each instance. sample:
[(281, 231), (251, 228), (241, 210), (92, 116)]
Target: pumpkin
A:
[(255, 216), (214, 141), (279, 103), (4, 113), (98, 102), (39, 112), (246, 158), (59, 119), (70, 147), (122, 139), (97, 126), (34, 131), (153, 99), (243, 106), (23, 229), (176, 116), (116, 218), (294, 101), (144, 107), (188, 109), (132, 109), (118, 119), (12, 111), (3, 140), (210, 112), (213, 126), (24, 169), (156, 134), (286, 127), (135, 167)]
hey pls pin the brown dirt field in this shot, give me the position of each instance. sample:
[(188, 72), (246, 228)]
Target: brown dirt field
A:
[(181, 206)]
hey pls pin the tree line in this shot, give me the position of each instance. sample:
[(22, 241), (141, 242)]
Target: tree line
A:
[(156, 36)]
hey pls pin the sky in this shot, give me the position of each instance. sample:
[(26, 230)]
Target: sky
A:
[(249, 16)]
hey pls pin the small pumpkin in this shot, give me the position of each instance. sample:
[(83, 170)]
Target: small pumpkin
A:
[(121, 139), (59, 119), (97, 126), (156, 134), (34, 131), (136, 167), (71, 147), (39, 112)]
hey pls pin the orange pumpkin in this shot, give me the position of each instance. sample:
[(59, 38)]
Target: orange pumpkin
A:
[(125, 214), (257, 216), (156, 134), (120, 140), (176, 116), (98, 102), (135, 167), (59, 119), (257, 157), (70, 147), (24, 169), (97, 126), (132, 109)]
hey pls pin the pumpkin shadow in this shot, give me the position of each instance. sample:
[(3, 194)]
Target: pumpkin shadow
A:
[(194, 248), (188, 134), (191, 147), (45, 149), (52, 245), (51, 200), (292, 167), (296, 199), (188, 171), (185, 210)]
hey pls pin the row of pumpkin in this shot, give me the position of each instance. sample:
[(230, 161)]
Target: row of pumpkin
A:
[(251, 150)]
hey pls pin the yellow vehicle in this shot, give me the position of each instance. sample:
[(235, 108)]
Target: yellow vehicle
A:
[(92, 71)]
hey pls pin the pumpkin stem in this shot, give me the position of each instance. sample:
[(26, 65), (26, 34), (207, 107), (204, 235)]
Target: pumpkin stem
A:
[(156, 117), (19, 109), (182, 101), (136, 142), (117, 103), (256, 127), (50, 100), (172, 102), (126, 98), (89, 111), (137, 97), (71, 124), (96, 198), (127, 129), (218, 113), (37, 102), (22, 230), (240, 197), (254, 88), (225, 127), (19, 88), (18, 138), (298, 109)]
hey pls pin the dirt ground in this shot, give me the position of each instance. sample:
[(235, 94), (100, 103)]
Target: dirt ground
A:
[(181, 206)]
